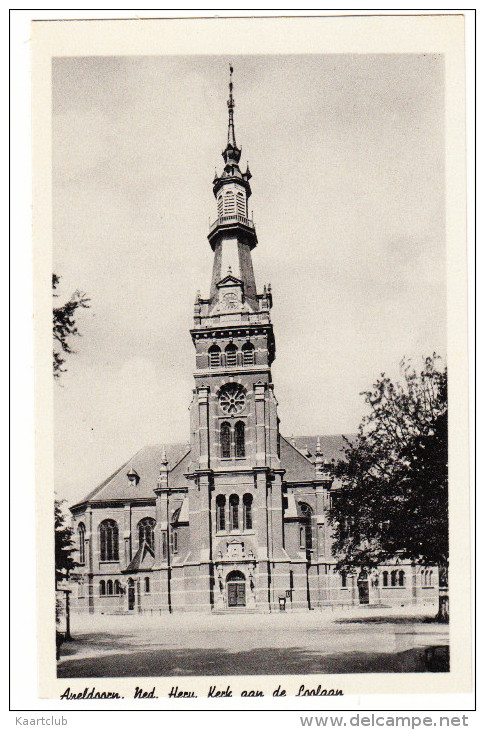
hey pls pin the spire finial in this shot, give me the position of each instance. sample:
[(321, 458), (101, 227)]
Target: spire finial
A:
[(231, 136)]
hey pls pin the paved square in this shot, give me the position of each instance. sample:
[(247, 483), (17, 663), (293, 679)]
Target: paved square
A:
[(349, 641)]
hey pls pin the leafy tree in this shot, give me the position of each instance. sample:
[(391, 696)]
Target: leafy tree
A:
[(64, 325), (64, 544), (394, 495)]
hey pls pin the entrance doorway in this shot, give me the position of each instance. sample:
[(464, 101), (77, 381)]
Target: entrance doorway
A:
[(131, 594), (236, 589), (363, 587)]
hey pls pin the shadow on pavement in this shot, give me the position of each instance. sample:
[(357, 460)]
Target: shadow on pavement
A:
[(386, 620), (201, 662)]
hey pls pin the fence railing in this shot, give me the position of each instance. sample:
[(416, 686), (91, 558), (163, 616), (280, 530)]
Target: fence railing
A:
[(233, 218)]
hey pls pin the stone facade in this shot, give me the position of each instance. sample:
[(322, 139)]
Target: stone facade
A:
[(238, 518)]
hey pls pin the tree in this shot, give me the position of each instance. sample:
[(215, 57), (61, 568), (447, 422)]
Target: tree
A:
[(64, 326), (394, 495), (64, 544)]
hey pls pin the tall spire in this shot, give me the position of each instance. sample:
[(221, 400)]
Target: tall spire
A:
[(232, 153), (231, 135)]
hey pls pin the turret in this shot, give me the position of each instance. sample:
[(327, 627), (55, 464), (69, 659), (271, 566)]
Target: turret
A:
[(231, 189), (163, 477)]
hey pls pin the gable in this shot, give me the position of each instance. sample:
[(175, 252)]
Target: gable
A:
[(143, 559), (229, 280)]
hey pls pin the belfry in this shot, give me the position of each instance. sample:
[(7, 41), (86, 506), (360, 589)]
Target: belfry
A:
[(238, 520)]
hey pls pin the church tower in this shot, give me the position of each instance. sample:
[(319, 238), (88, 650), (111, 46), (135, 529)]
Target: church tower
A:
[(235, 500)]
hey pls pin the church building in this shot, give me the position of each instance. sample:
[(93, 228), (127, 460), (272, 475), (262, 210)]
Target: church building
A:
[(238, 518)]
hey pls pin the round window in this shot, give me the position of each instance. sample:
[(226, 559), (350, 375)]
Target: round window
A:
[(232, 399)]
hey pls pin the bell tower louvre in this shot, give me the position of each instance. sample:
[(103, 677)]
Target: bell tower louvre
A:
[(238, 519)]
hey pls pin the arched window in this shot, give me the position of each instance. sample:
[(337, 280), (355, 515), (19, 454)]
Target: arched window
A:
[(102, 588), (306, 536), (231, 355), (214, 356), (146, 532), (393, 577), (229, 203), (401, 577), (118, 590), (248, 512), (220, 513), (344, 579), (241, 203), (108, 532), (240, 439), (225, 440), (109, 588), (81, 532), (430, 578), (248, 354), (234, 512), (385, 579)]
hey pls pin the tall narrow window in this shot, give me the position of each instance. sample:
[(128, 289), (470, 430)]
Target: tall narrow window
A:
[(248, 354), (220, 513), (240, 439), (146, 532), (306, 536), (109, 588), (108, 533), (214, 357), (385, 579), (343, 575), (393, 578), (102, 588), (118, 590), (248, 512), (219, 205), (225, 440), (164, 545), (231, 355), (81, 531), (401, 577), (147, 584), (234, 512)]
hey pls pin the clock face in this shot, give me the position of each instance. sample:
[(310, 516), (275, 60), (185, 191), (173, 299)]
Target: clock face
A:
[(232, 399)]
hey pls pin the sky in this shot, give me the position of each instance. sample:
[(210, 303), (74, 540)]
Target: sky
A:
[(347, 157)]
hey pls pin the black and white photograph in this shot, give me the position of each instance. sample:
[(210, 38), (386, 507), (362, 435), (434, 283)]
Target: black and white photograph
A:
[(250, 300)]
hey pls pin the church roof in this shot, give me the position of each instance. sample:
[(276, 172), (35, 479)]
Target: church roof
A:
[(297, 458), (298, 455), (331, 446), (146, 463)]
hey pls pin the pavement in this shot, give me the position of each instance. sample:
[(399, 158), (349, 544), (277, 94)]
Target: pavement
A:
[(360, 639)]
